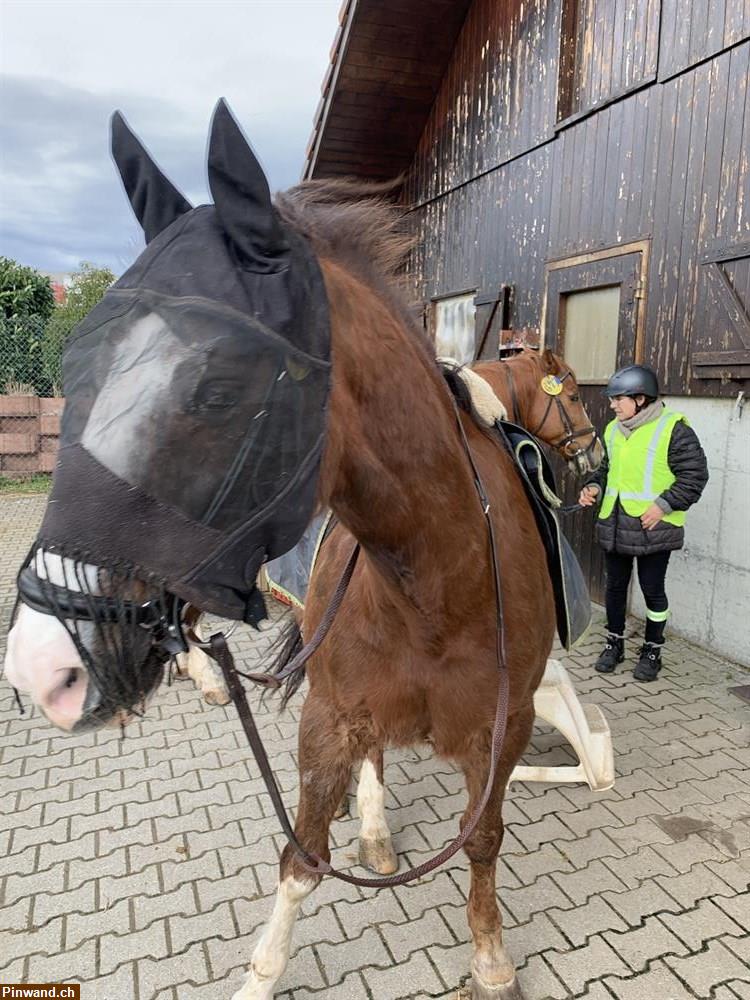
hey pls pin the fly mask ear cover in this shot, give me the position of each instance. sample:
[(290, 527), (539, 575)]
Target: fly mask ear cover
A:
[(196, 391)]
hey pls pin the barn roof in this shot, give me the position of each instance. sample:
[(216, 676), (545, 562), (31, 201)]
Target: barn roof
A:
[(387, 61)]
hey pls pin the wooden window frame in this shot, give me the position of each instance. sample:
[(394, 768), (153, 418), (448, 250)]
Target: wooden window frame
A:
[(643, 247)]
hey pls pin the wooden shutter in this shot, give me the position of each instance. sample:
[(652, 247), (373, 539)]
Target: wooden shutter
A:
[(492, 316)]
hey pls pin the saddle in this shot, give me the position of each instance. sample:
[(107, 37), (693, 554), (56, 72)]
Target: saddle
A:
[(572, 601)]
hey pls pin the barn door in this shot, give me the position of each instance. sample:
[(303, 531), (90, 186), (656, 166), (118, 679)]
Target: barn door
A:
[(594, 311)]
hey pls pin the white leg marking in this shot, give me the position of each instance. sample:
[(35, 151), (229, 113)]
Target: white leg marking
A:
[(375, 845), (271, 954), (371, 804), (204, 673)]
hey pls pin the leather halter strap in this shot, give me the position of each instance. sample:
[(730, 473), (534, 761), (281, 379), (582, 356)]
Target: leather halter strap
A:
[(217, 648), (571, 435)]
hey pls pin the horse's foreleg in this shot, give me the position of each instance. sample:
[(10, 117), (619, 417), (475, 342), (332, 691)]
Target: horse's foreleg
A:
[(325, 760), (375, 845), (204, 673), (492, 969)]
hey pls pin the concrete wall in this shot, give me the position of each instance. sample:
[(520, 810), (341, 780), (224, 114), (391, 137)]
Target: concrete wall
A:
[(708, 583)]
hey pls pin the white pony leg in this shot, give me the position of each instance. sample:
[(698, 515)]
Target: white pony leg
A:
[(271, 953), (375, 845), (204, 673)]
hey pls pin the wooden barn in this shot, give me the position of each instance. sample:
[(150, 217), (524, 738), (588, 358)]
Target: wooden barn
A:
[(578, 170)]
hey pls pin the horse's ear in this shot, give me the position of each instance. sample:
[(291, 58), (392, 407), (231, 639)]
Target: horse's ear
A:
[(242, 197), (155, 200), (550, 362)]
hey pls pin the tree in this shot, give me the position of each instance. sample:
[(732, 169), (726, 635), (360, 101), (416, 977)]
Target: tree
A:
[(87, 287), (26, 303), (23, 291)]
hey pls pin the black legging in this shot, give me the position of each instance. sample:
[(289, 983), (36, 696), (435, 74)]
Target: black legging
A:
[(652, 569)]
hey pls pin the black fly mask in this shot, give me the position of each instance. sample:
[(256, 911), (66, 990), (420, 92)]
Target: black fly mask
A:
[(194, 423)]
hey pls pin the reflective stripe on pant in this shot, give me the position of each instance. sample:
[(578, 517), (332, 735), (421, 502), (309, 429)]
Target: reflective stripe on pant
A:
[(652, 570)]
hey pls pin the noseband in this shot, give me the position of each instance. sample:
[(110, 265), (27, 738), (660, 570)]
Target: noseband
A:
[(571, 435)]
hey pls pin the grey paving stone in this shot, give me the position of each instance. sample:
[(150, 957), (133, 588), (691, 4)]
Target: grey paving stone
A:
[(658, 983), (705, 921), (114, 949), (75, 965), (178, 902), (154, 975), (640, 946), (588, 963), (112, 919), (120, 985), (22, 942), (717, 964), (390, 982), (543, 894), (581, 922), (539, 981), (339, 960)]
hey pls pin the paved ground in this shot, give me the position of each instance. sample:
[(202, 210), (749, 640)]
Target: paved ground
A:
[(144, 869)]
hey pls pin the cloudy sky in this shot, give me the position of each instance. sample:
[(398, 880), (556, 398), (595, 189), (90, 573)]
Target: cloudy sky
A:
[(65, 65)]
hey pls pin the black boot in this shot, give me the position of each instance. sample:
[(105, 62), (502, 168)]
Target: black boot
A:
[(612, 654), (649, 662)]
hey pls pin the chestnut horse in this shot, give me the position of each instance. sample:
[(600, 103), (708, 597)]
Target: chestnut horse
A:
[(412, 656)]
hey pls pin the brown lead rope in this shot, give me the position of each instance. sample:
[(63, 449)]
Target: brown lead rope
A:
[(219, 650)]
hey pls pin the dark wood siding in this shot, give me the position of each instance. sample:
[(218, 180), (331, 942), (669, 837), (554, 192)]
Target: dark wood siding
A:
[(498, 193), (497, 98), (608, 48), (693, 30)]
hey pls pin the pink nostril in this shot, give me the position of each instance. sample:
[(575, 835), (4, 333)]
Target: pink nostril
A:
[(63, 704)]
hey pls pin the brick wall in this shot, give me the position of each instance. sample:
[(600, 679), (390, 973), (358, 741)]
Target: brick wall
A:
[(29, 432)]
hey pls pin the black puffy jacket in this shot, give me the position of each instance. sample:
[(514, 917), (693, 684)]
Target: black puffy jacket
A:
[(625, 534)]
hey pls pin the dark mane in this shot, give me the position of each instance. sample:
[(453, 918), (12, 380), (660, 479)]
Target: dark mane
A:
[(358, 225)]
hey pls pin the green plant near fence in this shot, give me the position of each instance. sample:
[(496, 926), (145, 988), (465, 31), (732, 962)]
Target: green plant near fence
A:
[(26, 304), (33, 330), (87, 286)]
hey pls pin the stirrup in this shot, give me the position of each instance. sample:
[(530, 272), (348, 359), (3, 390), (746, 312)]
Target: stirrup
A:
[(585, 728)]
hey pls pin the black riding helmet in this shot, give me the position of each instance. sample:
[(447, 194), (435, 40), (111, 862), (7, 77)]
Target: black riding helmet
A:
[(633, 380)]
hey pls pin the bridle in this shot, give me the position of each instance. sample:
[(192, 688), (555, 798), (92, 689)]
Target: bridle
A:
[(571, 433)]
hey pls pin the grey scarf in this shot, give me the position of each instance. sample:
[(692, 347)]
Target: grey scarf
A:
[(651, 412)]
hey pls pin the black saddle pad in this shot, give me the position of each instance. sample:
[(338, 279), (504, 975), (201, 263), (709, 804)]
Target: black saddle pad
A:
[(572, 601)]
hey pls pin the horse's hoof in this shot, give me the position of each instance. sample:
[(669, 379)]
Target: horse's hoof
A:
[(378, 855), (507, 991), (217, 696)]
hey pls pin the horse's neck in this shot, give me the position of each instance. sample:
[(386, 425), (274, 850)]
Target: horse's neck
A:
[(394, 473), (524, 386)]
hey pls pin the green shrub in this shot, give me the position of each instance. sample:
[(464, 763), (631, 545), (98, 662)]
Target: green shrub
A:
[(26, 303), (87, 287), (24, 292)]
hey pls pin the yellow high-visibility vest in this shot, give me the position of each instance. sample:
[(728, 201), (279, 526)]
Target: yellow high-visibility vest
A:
[(639, 467)]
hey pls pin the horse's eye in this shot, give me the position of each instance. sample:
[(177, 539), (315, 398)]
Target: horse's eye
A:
[(215, 396), (575, 398)]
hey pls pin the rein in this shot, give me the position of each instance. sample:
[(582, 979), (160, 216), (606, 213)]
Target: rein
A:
[(217, 648)]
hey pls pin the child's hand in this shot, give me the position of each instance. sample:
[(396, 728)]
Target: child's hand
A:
[(588, 495)]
